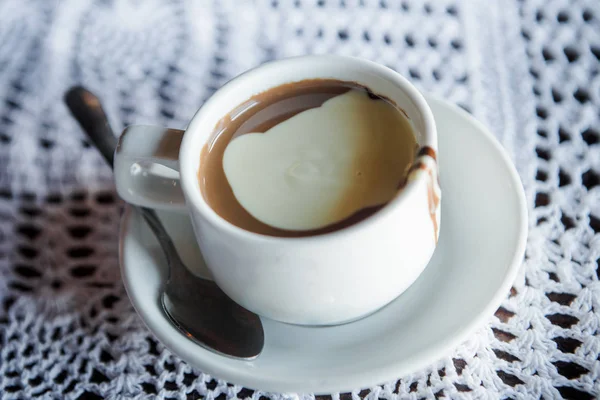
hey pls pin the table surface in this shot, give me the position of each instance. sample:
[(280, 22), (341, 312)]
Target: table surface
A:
[(528, 69)]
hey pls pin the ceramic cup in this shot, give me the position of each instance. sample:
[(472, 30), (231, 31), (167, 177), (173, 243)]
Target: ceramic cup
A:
[(321, 280)]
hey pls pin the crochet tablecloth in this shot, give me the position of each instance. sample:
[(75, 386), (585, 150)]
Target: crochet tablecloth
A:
[(528, 69)]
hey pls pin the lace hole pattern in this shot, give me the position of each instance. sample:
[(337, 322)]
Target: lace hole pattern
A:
[(67, 329)]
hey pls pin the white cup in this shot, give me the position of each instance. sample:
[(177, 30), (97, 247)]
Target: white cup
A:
[(320, 280)]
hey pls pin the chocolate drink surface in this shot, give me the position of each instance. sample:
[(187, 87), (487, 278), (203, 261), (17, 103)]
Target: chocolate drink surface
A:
[(306, 158)]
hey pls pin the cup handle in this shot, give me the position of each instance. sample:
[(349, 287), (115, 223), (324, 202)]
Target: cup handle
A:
[(146, 167)]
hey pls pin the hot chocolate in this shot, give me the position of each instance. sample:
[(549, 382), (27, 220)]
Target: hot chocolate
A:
[(307, 158)]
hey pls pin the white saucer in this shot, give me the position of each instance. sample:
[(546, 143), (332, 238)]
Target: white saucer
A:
[(482, 241)]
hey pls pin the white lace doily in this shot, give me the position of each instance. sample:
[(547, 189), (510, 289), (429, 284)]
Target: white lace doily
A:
[(529, 69)]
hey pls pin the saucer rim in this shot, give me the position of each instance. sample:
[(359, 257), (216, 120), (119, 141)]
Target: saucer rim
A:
[(352, 381)]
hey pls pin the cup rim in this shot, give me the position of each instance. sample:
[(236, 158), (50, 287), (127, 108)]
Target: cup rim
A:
[(189, 178)]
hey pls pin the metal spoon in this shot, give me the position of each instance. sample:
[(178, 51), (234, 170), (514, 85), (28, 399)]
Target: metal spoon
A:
[(196, 306)]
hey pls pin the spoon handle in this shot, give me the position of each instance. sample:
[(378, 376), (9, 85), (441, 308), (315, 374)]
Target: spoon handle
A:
[(178, 273), (88, 111)]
